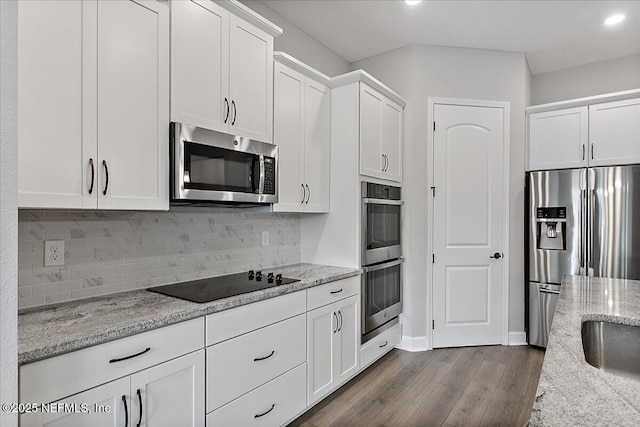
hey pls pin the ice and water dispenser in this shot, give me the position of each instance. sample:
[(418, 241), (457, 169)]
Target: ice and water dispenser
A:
[(551, 228)]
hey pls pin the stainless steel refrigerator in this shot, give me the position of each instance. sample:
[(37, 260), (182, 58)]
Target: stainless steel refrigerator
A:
[(580, 222)]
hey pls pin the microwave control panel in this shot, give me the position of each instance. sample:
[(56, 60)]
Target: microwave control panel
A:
[(269, 175)]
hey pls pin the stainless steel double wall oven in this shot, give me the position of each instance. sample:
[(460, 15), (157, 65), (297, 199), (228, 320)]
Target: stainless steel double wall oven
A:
[(381, 258)]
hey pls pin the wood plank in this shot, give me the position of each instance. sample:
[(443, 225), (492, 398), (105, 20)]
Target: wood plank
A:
[(487, 386), (472, 405)]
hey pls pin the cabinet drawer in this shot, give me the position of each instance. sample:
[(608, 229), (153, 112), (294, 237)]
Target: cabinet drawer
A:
[(237, 321), (64, 375), (273, 404), (331, 292), (380, 345), (234, 367)]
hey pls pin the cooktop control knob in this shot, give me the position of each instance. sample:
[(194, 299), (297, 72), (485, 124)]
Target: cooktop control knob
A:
[(250, 274), (270, 278), (258, 275), (279, 279)]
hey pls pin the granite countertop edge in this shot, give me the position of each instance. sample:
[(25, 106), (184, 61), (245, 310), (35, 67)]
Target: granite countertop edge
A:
[(33, 348)]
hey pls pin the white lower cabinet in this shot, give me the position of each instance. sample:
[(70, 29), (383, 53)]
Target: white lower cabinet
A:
[(273, 404), (169, 394), (377, 347), (333, 346)]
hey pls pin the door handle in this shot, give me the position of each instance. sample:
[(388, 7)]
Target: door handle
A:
[(497, 255), (126, 411), (308, 194), (226, 102), (304, 193), (93, 175), (235, 113), (106, 171), (139, 404)]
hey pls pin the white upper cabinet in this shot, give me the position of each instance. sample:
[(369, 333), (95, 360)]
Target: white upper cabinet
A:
[(558, 139), (199, 64), (601, 130), (380, 135), (93, 104), (222, 68), (133, 104), (302, 131), (614, 132)]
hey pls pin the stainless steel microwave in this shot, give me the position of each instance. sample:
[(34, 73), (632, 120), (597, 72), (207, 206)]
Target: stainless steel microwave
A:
[(213, 167)]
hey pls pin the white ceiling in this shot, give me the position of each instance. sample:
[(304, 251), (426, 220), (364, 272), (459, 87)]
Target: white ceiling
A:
[(554, 34)]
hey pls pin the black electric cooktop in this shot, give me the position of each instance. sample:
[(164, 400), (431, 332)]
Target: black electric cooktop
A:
[(213, 288)]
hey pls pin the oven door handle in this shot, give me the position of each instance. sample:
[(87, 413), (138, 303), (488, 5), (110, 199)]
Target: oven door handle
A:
[(382, 201), (262, 175), (372, 268)]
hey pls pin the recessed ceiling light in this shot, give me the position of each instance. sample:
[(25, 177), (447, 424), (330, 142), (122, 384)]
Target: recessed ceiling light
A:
[(614, 19), (412, 2)]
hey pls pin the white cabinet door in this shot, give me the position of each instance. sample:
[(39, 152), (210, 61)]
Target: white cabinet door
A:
[(322, 326), (317, 143), (371, 160), (133, 131), (349, 336), (614, 132), (288, 135), (558, 139), (200, 64), (250, 80), (108, 405), (56, 104), (392, 140), (170, 394), (333, 340)]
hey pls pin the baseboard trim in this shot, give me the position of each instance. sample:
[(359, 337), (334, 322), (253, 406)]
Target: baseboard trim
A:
[(412, 343), (517, 338)]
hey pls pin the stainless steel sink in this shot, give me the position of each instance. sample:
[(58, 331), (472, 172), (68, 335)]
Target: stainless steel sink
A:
[(612, 347)]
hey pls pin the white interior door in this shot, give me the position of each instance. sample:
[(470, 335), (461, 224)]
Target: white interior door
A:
[(468, 225)]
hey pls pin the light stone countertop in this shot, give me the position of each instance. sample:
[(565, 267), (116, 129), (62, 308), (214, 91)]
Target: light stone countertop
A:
[(60, 328), (570, 391)]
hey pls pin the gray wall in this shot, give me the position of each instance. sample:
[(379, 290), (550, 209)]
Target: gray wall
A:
[(591, 79), (416, 73), (299, 44), (8, 210)]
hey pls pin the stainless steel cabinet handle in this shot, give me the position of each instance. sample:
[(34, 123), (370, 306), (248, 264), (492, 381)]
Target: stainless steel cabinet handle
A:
[(93, 174), (235, 113), (384, 345), (106, 184), (130, 357), (257, 359), (140, 404), (265, 413), (308, 194), (386, 167), (304, 193), (226, 102), (126, 411)]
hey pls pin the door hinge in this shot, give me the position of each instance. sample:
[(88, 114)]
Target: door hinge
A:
[(433, 258), (433, 191), (433, 324)]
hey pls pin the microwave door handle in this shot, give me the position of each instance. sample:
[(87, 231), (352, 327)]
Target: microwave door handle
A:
[(261, 185)]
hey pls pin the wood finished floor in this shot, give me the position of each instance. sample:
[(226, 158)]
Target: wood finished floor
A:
[(470, 386)]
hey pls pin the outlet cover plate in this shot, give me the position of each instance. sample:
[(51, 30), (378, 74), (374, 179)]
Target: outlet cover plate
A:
[(53, 253)]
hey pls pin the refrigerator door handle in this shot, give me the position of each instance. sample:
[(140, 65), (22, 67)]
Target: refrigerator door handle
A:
[(591, 202)]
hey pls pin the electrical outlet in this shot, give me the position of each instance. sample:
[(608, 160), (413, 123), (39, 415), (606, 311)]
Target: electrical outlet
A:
[(265, 238), (53, 253)]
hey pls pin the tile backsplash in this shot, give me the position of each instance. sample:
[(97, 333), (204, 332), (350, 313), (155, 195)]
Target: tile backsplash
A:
[(108, 251)]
